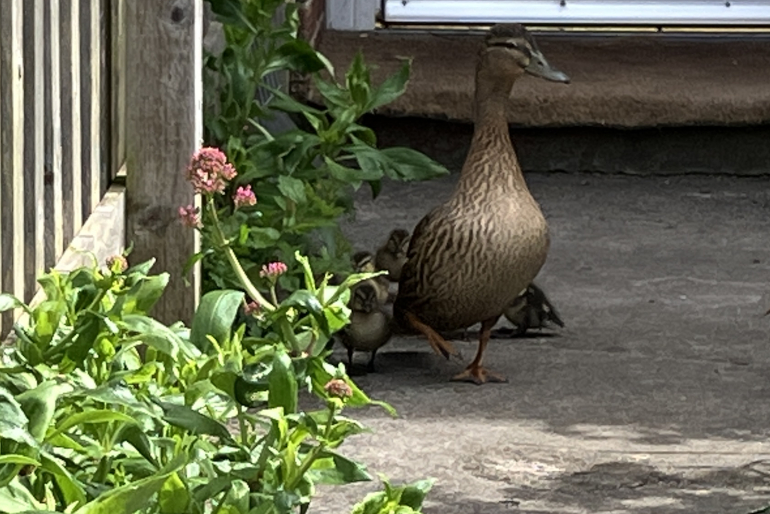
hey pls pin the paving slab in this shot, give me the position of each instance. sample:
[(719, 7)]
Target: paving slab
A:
[(652, 399)]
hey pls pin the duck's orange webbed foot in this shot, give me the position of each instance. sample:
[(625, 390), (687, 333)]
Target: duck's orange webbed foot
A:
[(478, 375), (440, 345)]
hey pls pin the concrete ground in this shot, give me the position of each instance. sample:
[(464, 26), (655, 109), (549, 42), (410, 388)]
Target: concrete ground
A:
[(653, 399)]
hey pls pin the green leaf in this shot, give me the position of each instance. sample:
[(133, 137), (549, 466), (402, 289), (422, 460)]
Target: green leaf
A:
[(156, 335), (135, 496), (333, 469), (133, 435), (282, 383), (214, 317), (91, 416), (86, 331), (304, 299), (18, 459), (8, 302), (39, 404), (173, 497), (13, 420), (298, 55), (292, 188), (15, 498), (321, 372), (393, 87), (409, 164), (414, 494), (144, 294), (345, 174), (262, 237), (237, 499), (71, 490), (196, 423)]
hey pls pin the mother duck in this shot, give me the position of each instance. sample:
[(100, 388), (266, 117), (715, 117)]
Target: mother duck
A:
[(470, 257)]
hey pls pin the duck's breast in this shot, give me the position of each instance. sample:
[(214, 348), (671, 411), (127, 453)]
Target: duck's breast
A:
[(489, 254)]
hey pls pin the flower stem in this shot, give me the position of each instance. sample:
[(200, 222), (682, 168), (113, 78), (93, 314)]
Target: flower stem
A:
[(251, 290), (313, 454)]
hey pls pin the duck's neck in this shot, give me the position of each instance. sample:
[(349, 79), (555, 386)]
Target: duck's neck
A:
[(491, 157)]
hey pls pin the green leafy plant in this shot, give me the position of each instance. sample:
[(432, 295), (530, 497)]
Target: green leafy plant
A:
[(305, 176), (104, 409)]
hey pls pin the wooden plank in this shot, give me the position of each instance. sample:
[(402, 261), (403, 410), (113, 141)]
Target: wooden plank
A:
[(11, 152), (71, 124), (34, 146), (108, 217), (105, 105), (118, 84), (54, 201), (90, 57), (163, 130)]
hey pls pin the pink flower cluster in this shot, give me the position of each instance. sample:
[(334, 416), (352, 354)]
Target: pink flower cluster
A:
[(209, 172), (244, 196), (190, 216), (273, 270)]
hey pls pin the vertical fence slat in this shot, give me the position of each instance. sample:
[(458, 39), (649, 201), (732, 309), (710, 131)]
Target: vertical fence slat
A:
[(54, 201), (163, 128), (90, 58), (34, 141), (11, 151), (70, 120), (94, 139), (118, 85), (105, 104)]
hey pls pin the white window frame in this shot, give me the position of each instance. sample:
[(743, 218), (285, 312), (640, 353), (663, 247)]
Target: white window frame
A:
[(581, 12)]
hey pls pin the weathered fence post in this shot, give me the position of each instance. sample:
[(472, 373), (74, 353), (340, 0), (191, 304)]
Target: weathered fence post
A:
[(163, 129)]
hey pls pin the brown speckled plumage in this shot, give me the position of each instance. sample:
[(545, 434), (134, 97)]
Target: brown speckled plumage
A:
[(470, 257)]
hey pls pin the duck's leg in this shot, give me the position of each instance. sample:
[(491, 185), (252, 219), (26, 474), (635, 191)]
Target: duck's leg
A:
[(350, 357), (370, 365), (475, 372), (438, 343)]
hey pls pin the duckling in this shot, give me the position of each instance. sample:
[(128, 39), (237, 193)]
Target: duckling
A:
[(392, 255), (470, 257), (531, 309), (370, 326), (363, 262)]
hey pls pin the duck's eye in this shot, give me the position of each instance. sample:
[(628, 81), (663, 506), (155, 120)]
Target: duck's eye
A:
[(508, 44)]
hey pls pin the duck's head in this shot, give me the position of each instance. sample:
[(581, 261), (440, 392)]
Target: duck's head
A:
[(364, 298), (363, 262), (398, 242), (510, 51)]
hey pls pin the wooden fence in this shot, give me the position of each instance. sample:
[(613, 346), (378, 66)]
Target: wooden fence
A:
[(64, 134)]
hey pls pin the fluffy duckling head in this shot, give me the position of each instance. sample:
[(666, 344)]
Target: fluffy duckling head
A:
[(364, 298), (363, 262), (398, 242)]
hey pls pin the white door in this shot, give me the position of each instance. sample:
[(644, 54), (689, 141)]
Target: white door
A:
[(580, 12)]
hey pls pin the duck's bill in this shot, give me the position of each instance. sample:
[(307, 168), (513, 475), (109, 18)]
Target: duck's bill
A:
[(539, 67)]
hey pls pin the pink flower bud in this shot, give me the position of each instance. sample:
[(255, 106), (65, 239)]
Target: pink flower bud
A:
[(189, 216), (244, 196), (251, 308), (117, 263), (338, 388), (273, 270)]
